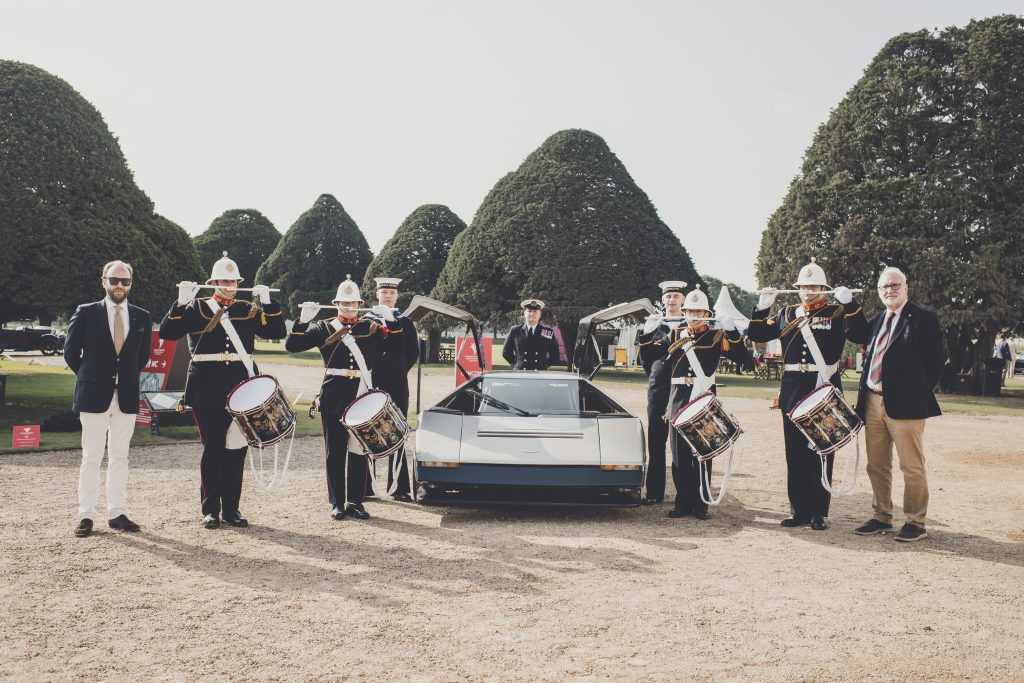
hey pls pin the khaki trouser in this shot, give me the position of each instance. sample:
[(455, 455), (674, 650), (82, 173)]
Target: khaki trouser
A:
[(881, 432)]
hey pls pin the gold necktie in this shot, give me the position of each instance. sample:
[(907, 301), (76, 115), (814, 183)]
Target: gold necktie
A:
[(118, 330)]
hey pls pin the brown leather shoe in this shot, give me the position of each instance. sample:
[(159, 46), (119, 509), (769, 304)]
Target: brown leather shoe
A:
[(122, 523), (84, 528)]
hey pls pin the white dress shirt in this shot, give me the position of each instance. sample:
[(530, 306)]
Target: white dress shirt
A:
[(892, 328), (109, 303)]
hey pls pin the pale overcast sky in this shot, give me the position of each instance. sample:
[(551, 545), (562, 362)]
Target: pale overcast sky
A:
[(390, 105)]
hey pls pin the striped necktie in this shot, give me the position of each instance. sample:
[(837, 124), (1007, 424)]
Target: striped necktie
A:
[(881, 345)]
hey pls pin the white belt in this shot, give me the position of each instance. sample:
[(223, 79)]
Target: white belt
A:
[(828, 371), (221, 357), (688, 381), (343, 372)]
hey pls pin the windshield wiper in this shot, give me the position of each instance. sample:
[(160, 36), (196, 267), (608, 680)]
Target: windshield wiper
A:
[(501, 405)]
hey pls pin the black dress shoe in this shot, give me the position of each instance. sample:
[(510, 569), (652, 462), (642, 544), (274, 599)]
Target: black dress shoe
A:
[(676, 513), (403, 497), (357, 510), (702, 515), (235, 519), (84, 528), (795, 521), (337, 513), (123, 523), (211, 522), (651, 501), (818, 523)]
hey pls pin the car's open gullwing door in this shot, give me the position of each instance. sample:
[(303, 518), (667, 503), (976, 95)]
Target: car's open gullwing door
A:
[(586, 357), (422, 306)]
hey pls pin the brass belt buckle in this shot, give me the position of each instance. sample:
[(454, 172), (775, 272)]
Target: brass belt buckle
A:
[(803, 367), (226, 357)]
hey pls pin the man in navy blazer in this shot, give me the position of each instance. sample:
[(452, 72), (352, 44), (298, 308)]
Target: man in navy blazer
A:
[(902, 365), (107, 346)]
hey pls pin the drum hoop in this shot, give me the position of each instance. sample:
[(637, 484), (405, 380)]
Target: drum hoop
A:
[(227, 399), (799, 403), (691, 402), (374, 416)]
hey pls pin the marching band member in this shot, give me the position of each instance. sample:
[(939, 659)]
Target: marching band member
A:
[(530, 345), (217, 367), (832, 325), (707, 345), (391, 374), (343, 382), (654, 340)]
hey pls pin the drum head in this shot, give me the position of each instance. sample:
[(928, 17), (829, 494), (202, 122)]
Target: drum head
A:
[(366, 407), (694, 408), (812, 401), (252, 393)]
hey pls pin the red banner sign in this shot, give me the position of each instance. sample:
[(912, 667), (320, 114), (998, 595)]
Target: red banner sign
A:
[(154, 376), (465, 355), (25, 436)]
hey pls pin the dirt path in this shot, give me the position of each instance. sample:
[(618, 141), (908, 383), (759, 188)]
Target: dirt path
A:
[(517, 594)]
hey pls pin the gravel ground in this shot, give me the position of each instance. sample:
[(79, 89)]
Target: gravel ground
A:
[(517, 594)]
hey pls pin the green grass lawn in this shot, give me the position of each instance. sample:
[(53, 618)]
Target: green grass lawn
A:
[(35, 392)]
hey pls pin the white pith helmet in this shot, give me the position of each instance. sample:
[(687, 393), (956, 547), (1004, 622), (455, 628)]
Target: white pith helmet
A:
[(697, 299), (348, 292), (811, 274), (224, 269)]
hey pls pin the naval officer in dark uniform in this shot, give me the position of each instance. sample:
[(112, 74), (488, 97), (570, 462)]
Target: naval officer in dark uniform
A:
[(531, 345), (347, 473), (831, 326), (654, 340), (709, 344), (215, 370), (391, 374)]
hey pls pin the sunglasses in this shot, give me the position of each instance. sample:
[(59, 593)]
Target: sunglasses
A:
[(893, 287), (125, 281)]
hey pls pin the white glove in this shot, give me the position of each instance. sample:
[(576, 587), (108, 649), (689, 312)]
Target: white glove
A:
[(843, 295), (187, 292), (383, 312), (263, 292), (767, 298), (727, 323), (652, 323), (308, 311)]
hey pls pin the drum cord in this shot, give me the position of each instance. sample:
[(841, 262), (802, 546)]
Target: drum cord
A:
[(849, 472), (706, 478)]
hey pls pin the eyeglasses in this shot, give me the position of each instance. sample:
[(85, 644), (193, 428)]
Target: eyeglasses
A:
[(114, 281), (894, 287)]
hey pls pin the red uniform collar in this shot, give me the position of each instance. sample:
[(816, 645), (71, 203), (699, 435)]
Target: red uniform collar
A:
[(815, 306), (700, 330), (347, 321), (222, 301)]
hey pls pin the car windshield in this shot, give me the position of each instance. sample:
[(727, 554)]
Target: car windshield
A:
[(537, 396)]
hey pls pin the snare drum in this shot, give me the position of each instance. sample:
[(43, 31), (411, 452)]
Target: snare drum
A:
[(261, 411), (706, 427), (826, 419), (376, 423)]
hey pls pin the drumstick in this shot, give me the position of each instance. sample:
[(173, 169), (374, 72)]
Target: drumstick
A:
[(335, 306), (800, 291), (217, 287)]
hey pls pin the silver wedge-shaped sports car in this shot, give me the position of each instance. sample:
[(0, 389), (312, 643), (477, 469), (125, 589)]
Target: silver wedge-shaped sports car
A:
[(529, 437)]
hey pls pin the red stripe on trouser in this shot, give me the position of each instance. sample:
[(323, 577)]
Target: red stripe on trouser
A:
[(202, 484)]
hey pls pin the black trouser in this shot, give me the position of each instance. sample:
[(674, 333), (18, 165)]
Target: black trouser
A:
[(336, 447), (220, 468), (657, 433), (401, 400), (807, 497), (687, 477)]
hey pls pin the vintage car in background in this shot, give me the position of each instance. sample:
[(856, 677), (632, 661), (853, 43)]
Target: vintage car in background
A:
[(26, 338), (520, 437)]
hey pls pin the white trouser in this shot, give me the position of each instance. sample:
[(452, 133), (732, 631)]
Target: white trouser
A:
[(95, 428)]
